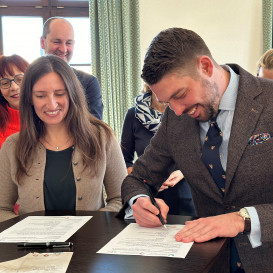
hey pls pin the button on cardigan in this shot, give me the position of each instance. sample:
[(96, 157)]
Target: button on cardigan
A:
[(89, 189)]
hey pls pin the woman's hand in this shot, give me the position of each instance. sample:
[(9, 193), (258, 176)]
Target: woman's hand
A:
[(173, 179)]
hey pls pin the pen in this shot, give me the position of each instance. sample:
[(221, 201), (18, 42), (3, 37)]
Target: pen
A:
[(154, 203), (46, 245)]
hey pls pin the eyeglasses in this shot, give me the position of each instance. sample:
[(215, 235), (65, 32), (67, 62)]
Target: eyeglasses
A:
[(5, 83)]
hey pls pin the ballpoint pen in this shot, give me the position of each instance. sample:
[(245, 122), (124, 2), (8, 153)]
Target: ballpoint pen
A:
[(154, 202), (46, 245)]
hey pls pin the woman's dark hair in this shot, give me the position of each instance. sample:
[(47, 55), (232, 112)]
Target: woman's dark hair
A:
[(7, 64), (82, 126)]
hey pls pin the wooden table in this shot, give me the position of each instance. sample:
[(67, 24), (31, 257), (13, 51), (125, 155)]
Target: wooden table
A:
[(205, 257)]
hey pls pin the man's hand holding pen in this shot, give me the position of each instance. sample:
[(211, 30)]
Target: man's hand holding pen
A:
[(145, 212)]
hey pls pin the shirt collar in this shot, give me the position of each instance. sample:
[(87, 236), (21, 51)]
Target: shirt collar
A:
[(228, 100)]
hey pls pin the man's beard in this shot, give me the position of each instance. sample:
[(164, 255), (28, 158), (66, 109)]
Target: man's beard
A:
[(211, 102)]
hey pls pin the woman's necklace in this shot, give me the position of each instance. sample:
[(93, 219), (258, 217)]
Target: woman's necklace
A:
[(57, 147)]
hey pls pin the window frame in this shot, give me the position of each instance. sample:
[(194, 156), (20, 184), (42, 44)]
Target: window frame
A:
[(27, 3), (45, 3), (43, 8)]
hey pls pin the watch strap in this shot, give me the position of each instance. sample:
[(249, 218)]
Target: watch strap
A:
[(245, 215)]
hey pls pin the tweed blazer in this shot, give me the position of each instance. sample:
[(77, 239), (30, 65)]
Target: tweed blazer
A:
[(249, 174), (89, 188)]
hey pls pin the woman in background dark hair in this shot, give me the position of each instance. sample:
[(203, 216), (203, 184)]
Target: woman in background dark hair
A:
[(12, 69), (63, 156)]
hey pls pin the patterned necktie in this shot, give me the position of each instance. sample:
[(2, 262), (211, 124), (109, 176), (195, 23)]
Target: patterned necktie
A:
[(211, 156)]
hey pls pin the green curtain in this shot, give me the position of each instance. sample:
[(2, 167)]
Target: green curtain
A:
[(115, 46), (267, 25)]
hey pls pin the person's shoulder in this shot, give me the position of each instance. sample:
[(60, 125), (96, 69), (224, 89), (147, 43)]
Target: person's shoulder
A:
[(10, 142), (240, 70), (12, 139), (107, 137), (104, 130), (252, 85), (247, 77), (130, 118), (83, 75), (256, 84), (131, 111), (265, 82)]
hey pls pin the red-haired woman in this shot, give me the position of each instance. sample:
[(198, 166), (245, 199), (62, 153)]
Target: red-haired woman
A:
[(12, 69)]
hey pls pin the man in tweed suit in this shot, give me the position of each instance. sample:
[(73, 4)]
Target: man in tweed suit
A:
[(181, 71)]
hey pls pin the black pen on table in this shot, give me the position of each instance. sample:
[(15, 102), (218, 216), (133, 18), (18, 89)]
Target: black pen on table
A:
[(46, 245), (154, 202)]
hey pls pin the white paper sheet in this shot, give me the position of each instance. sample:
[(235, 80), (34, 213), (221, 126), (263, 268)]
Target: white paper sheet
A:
[(38, 263), (137, 240), (43, 229)]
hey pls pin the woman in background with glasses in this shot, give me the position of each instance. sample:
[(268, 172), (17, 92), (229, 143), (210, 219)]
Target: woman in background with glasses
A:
[(12, 69)]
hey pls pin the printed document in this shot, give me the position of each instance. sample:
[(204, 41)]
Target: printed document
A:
[(43, 229), (137, 240), (38, 263)]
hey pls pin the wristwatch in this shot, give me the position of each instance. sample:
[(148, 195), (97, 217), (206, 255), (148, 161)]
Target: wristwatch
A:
[(245, 215)]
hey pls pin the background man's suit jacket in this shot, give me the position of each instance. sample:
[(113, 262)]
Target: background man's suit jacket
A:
[(92, 90), (249, 172)]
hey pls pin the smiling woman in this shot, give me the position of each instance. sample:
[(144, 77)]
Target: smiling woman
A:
[(63, 156), (12, 70)]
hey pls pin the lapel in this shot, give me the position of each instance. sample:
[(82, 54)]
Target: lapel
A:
[(246, 116)]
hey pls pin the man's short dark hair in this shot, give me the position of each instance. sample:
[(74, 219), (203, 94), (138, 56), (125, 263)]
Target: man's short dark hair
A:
[(172, 50)]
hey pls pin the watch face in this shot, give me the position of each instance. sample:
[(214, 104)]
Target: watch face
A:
[(244, 213)]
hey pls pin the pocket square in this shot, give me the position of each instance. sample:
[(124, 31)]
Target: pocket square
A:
[(258, 139)]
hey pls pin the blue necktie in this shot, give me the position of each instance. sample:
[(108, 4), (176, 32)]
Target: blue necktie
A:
[(211, 156)]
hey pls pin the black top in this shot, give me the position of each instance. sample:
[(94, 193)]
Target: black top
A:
[(135, 138), (59, 183)]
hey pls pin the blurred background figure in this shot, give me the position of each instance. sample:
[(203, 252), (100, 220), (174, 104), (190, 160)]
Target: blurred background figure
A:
[(265, 65), (140, 124), (12, 69)]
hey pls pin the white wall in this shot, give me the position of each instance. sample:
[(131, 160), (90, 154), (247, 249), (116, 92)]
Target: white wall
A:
[(232, 29)]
